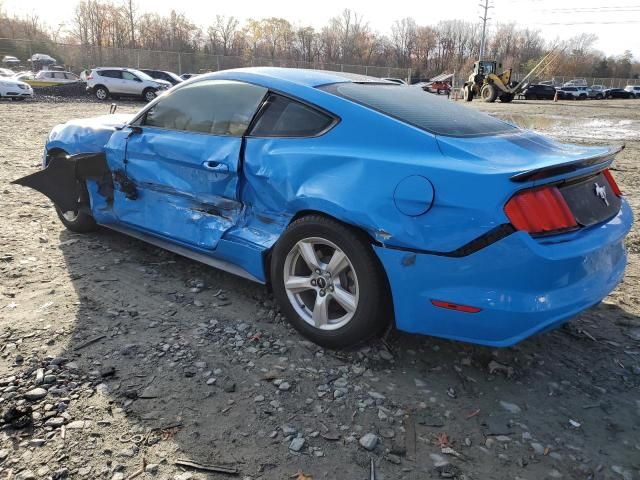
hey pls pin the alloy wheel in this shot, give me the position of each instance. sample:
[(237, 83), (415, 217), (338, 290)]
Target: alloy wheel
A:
[(321, 283), (70, 216)]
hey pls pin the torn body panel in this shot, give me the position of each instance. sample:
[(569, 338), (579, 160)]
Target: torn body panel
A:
[(178, 185), (61, 181)]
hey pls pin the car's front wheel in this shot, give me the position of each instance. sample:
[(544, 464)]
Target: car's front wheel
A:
[(329, 283), (78, 221), (149, 94)]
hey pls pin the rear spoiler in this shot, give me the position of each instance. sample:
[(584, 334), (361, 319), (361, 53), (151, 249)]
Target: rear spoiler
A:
[(602, 160)]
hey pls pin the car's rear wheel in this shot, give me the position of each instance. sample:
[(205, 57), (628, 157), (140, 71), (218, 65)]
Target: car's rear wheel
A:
[(101, 93), (329, 283), (149, 94)]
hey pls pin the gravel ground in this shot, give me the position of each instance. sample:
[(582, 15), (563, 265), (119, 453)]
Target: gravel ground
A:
[(118, 360)]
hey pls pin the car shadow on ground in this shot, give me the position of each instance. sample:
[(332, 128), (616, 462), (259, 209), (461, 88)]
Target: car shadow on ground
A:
[(190, 362)]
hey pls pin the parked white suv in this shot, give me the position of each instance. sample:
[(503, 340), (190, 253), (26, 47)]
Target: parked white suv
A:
[(635, 89), (114, 81)]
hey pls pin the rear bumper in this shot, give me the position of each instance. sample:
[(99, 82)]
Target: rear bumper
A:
[(522, 285)]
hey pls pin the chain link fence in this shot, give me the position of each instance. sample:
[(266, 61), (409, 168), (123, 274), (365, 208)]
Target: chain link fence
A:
[(80, 57)]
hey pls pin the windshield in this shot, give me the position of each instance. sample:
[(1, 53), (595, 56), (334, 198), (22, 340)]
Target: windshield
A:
[(141, 75), (174, 76), (423, 110)]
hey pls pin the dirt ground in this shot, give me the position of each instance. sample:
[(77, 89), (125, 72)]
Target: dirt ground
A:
[(118, 359)]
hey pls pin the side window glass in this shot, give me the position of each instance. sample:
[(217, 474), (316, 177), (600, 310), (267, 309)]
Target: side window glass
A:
[(110, 74), (284, 117), (128, 76), (217, 107)]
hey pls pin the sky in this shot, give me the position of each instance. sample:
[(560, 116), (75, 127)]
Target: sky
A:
[(616, 23)]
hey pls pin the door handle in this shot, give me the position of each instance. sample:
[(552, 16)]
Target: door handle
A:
[(213, 166)]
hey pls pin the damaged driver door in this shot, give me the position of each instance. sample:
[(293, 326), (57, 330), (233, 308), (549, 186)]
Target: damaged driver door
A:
[(180, 176)]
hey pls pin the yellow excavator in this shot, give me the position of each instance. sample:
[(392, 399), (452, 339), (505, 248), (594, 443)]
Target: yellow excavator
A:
[(487, 83)]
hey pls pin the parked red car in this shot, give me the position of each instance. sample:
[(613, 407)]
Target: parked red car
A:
[(435, 87)]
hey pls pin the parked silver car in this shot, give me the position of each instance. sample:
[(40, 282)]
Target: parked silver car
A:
[(114, 81), (634, 89)]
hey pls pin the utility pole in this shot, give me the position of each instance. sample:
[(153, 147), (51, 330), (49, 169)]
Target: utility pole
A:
[(485, 7)]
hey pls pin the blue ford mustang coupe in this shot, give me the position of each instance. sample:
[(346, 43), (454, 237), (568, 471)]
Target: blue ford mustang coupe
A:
[(360, 202)]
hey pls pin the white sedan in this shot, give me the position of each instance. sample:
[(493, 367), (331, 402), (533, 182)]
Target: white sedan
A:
[(14, 89)]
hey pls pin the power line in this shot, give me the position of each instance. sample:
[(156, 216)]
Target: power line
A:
[(563, 11), (631, 8), (620, 22)]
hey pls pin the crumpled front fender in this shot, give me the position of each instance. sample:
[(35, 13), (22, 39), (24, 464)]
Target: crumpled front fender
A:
[(64, 176)]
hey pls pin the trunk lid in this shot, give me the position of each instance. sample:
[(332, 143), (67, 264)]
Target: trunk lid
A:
[(527, 157), (530, 163)]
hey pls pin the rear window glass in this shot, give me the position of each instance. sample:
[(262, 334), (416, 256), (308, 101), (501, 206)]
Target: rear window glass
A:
[(284, 117), (427, 111)]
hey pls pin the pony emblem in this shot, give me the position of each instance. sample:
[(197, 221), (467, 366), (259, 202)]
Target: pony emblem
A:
[(601, 192)]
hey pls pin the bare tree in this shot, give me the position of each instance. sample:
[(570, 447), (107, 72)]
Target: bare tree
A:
[(131, 16), (346, 38), (404, 36)]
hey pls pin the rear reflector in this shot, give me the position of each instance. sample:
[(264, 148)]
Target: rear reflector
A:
[(455, 306), (539, 210), (612, 183)]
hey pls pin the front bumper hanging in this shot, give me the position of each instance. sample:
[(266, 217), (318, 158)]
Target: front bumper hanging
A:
[(63, 178)]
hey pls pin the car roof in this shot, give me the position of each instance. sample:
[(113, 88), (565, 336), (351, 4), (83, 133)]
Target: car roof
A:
[(115, 68), (300, 76)]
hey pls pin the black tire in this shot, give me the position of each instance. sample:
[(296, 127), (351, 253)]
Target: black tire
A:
[(373, 310), (489, 93), (149, 95), (101, 92), (79, 222), (467, 93)]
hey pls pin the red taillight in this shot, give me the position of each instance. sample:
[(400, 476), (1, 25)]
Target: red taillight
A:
[(612, 183), (539, 210), (455, 306)]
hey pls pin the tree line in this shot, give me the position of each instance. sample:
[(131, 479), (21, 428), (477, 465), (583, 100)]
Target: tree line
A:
[(346, 39)]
